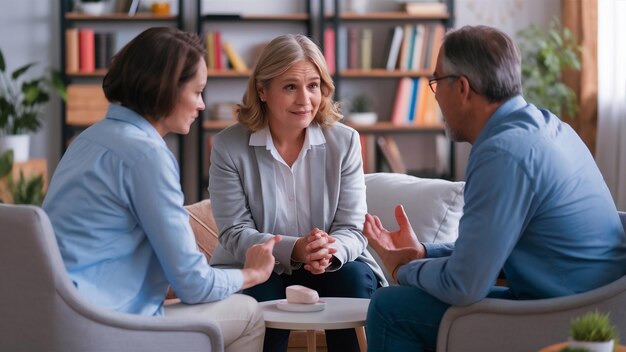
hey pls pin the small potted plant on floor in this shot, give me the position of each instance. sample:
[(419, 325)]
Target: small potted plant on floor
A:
[(20, 103), (361, 111), (593, 332)]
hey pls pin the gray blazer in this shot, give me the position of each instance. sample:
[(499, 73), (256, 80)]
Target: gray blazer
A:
[(241, 186)]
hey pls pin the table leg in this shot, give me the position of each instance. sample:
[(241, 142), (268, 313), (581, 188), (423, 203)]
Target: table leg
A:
[(310, 341), (360, 336)]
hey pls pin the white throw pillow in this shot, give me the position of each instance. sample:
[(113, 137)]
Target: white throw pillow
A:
[(434, 206)]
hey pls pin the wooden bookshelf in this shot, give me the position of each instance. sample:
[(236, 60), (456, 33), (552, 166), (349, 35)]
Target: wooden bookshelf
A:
[(76, 16), (389, 16)]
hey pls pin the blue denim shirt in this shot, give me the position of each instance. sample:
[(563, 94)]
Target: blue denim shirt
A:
[(116, 206), (536, 206)]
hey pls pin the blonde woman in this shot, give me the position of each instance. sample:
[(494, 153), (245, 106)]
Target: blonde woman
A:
[(289, 168)]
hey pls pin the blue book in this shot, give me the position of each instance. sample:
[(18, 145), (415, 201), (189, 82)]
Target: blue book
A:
[(414, 94)]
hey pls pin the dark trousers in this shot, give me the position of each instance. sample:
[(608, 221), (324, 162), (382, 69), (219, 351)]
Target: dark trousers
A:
[(354, 279)]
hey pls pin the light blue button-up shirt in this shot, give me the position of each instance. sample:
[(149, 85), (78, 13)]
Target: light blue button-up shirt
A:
[(537, 206), (116, 206)]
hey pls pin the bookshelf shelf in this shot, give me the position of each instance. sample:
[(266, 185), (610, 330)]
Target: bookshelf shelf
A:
[(382, 73), (389, 128), (388, 16), (76, 16), (258, 18)]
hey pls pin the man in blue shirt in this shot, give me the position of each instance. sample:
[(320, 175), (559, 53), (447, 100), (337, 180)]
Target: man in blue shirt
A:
[(536, 205)]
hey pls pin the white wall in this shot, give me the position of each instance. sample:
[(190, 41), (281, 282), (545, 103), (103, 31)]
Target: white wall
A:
[(29, 31)]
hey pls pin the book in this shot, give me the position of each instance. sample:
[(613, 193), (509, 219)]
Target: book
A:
[(71, 50), (402, 101), (101, 52), (209, 44), (392, 154), (217, 45), (235, 60), (394, 48), (353, 48), (405, 51), (86, 47), (329, 49), (426, 8), (133, 7), (366, 49), (342, 38), (416, 55)]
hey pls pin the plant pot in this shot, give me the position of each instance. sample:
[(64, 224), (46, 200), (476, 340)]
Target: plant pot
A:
[(600, 346), (93, 8), (20, 143), (358, 6), (363, 118)]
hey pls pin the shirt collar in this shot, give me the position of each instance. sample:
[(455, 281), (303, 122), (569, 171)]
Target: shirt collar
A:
[(511, 105), (124, 114), (263, 137)]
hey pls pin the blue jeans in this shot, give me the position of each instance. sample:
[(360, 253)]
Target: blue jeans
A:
[(354, 279), (404, 318)]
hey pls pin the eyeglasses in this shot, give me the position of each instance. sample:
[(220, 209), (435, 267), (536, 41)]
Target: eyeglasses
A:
[(432, 83)]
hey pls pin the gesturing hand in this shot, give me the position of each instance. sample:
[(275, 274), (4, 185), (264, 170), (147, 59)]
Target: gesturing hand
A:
[(394, 248), (379, 237), (259, 262)]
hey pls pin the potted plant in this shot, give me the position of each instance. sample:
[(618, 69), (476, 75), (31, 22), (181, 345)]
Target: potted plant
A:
[(361, 111), (592, 331), (544, 56), (92, 7), (20, 102)]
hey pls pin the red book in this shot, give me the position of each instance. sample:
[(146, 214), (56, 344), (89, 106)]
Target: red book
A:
[(329, 49), (86, 44), (217, 45)]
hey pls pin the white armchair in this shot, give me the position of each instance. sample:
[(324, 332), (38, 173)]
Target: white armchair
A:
[(506, 325), (40, 310)]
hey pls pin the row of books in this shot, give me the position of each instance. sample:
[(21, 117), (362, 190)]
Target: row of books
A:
[(355, 48), (220, 54), (414, 47), (415, 104), (87, 50)]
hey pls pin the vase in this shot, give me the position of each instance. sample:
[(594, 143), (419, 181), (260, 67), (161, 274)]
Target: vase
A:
[(358, 6), (593, 346), (20, 143), (362, 118), (93, 8)]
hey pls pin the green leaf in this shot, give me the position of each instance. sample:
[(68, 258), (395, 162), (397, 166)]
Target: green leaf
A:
[(56, 81), (20, 71), (2, 64), (6, 163)]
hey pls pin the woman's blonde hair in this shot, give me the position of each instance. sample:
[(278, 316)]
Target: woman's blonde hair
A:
[(277, 57)]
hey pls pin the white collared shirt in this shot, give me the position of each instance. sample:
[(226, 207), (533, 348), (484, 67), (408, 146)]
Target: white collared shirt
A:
[(293, 184)]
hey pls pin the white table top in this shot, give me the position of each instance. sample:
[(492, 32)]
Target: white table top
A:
[(340, 313)]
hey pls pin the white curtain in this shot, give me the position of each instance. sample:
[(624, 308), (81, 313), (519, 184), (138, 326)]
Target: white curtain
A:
[(611, 140)]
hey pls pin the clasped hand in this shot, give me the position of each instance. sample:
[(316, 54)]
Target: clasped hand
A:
[(394, 248), (314, 251)]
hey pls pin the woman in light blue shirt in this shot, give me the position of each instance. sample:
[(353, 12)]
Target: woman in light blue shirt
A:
[(116, 204)]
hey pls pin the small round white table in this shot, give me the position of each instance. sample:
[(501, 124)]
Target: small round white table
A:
[(340, 313)]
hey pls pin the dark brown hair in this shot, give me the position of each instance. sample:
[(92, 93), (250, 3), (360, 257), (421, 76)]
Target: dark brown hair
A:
[(147, 75)]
